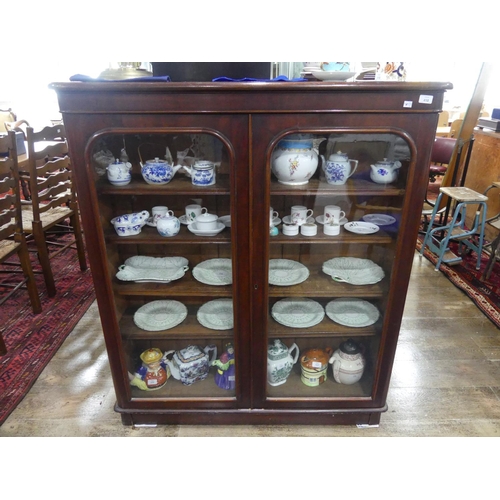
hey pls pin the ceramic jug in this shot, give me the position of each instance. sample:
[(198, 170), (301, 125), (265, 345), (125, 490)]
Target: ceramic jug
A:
[(202, 173), (338, 168), (153, 374), (294, 161), (280, 362), (168, 225), (348, 363), (225, 374), (158, 171), (191, 364), (119, 173), (385, 171), (314, 366)]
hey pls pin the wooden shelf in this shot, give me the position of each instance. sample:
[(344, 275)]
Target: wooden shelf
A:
[(380, 237)]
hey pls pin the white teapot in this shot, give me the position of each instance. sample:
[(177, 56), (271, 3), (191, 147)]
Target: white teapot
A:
[(348, 363), (119, 173), (338, 168), (190, 364), (385, 171), (280, 362)]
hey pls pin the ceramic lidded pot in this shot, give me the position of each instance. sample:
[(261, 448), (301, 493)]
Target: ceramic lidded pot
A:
[(280, 362), (294, 161), (190, 364), (119, 173), (202, 173), (384, 171), (168, 225), (348, 362), (153, 374), (338, 168), (158, 171), (314, 366)]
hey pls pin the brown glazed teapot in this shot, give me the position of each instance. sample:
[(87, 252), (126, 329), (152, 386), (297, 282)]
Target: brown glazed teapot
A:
[(314, 365)]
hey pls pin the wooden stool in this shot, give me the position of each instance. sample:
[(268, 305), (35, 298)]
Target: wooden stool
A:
[(455, 230)]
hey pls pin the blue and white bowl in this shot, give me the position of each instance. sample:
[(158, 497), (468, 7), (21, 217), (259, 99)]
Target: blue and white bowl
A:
[(130, 224)]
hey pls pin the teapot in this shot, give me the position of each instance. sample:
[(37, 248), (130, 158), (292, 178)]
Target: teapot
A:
[(202, 173), (314, 366), (153, 374), (158, 171), (119, 172), (348, 363), (338, 168), (190, 364), (385, 171), (280, 362)]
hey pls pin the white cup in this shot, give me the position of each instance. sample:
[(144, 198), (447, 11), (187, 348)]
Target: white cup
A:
[(290, 229), (194, 211), (206, 222), (332, 229), (272, 215), (333, 212), (299, 214), (160, 211)]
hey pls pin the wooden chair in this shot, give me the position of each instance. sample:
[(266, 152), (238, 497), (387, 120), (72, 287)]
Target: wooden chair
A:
[(442, 152), (12, 239), (53, 198), (455, 128), (444, 118)]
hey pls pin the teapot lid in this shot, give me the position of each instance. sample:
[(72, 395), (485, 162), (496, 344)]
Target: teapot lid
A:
[(350, 346), (152, 355), (339, 155), (190, 353), (385, 161), (157, 160), (277, 350)]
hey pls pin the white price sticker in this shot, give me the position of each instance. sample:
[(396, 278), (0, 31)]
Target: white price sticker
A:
[(316, 364), (426, 99), (407, 104)]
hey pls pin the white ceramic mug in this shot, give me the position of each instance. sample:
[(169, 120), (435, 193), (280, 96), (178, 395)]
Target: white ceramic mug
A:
[(160, 211), (194, 211), (299, 214), (272, 215), (333, 212)]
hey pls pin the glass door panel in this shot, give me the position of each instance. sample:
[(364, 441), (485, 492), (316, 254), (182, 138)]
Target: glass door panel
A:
[(335, 210), (171, 273)]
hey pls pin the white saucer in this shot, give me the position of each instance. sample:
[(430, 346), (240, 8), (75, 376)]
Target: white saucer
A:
[(150, 222), (288, 220), (211, 232), (276, 221), (339, 76), (379, 219), (226, 220), (184, 220), (320, 219), (361, 227)]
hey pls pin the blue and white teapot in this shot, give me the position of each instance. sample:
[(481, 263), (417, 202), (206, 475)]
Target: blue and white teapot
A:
[(202, 173), (338, 168), (158, 171), (385, 171)]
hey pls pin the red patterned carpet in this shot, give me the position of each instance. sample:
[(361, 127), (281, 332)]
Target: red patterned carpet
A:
[(485, 294), (32, 339)]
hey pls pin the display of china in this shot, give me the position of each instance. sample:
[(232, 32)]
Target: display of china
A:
[(225, 377), (153, 373), (314, 366), (309, 229), (294, 160), (280, 361), (206, 222), (130, 224), (385, 171), (338, 168), (191, 364), (168, 225), (348, 362), (158, 171), (202, 173), (119, 173)]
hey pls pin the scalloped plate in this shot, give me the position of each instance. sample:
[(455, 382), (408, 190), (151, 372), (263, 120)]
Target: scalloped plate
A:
[(146, 262), (286, 272), (352, 312), (160, 315), (216, 314), (353, 270), (214, 272), (298, 312), (379, 219)]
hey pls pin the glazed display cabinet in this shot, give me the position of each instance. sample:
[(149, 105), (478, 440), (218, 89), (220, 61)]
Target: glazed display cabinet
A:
[(284, 309)]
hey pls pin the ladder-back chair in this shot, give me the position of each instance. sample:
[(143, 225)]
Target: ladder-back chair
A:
[(54, 205), (12, 238)]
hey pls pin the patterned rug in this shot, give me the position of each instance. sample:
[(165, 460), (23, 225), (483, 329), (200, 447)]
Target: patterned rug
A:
[(485, 294), (32, 339)]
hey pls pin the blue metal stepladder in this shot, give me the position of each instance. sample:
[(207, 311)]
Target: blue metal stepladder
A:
[(455, 229)]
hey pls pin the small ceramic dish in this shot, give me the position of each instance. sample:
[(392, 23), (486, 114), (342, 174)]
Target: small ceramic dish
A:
[(226, 220), (320, 219), (360, 227), (193, 227), (288, 220), (379, 219)]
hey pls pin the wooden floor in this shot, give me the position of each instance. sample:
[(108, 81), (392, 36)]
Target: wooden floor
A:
[(446, 379)]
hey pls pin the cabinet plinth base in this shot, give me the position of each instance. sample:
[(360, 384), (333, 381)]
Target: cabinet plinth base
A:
[(368, 416)]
